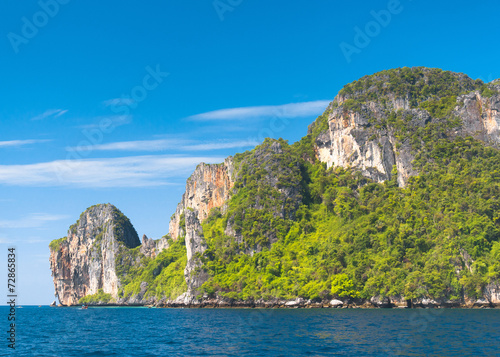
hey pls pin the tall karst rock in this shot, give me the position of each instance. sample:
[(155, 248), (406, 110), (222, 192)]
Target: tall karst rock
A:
[(210, 186), (84, 262)]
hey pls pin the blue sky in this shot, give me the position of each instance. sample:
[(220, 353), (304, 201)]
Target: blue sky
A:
[(118, 101)]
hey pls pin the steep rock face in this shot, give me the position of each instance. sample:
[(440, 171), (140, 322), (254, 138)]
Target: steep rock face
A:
[(492, 293), (161, 244), (85, 261), (353, 138), (195, 245), (350, 141), (480, 116), (208, 187)]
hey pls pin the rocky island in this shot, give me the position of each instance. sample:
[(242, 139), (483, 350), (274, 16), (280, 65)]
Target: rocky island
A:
[(391, 199)]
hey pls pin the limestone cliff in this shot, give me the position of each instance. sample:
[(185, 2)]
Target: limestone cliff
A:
[(358, 133), (84, 262), (480, 116), (208, 187), (349, 142), (195, 245)]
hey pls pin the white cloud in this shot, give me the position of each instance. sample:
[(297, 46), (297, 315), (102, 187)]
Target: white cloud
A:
[(34, 220), (16, 239), (293, 110), (4, 240), (50, 113), (15, 143), (139, 145), (61, 112), (164, 144), (220, 145), (109, 122), (134, 171)]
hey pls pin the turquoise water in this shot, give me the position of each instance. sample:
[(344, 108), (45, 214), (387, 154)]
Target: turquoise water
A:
[(49, 331)]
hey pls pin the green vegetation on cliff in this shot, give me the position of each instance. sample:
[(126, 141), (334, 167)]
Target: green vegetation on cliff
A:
[(55, 245), (438, 237), (417, 84), (345, 236), (99, 298), (160, 277), (294, 228)]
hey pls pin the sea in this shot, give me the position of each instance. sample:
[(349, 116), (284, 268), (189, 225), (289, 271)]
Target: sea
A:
[(142, 331)]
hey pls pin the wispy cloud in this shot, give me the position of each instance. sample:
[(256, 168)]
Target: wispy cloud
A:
[(118, 102), (165, 144), (109, 122), (34, 220), (61, 112), (54, 113), (133, 171), (293, 110), (14, 143), (139, 145), (220, 145), (17, 239), (4, 240)]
